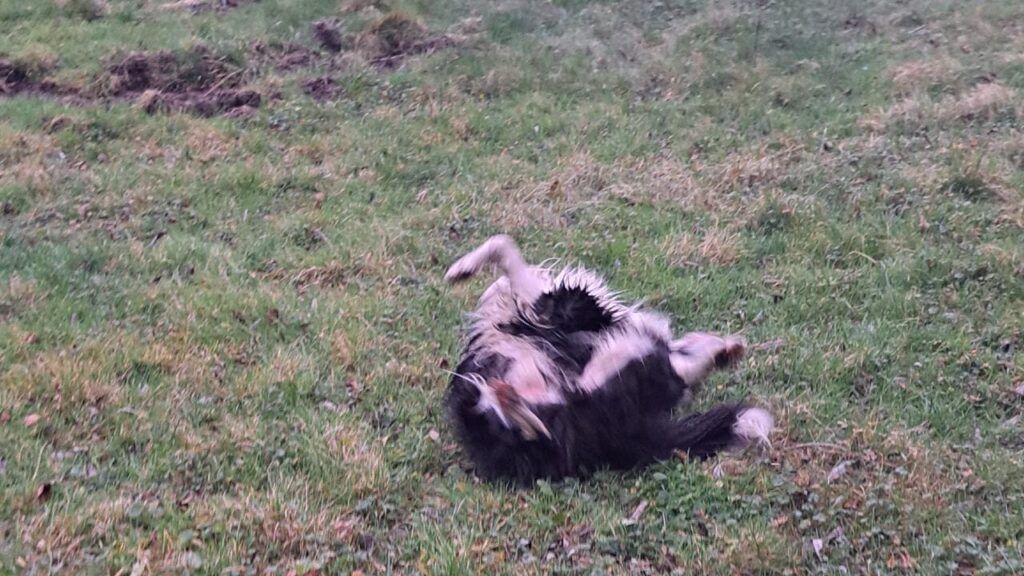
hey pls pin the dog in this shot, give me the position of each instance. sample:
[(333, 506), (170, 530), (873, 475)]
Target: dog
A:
[(558, 377)]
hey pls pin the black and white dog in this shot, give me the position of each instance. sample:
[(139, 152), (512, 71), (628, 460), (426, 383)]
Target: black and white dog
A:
[(559, 378)]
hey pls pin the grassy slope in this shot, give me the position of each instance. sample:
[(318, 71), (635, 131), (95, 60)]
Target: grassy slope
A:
[(840, 182)]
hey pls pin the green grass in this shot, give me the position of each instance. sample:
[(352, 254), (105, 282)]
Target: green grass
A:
[(223, 341)]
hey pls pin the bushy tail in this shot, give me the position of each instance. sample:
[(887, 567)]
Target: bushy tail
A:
[(721, 428)]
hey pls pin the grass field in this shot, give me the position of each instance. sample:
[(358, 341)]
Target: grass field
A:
[(224, 335)]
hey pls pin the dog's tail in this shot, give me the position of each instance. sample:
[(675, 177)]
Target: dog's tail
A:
[(721, 428), (500, 251)]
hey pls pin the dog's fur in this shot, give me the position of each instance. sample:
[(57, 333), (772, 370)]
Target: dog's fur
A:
[(559, 378)]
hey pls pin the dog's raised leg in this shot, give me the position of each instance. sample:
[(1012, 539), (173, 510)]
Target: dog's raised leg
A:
[(500, 251), (697, 354)]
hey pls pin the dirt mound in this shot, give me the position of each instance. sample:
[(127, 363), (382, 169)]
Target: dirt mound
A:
[(200, 6), (17, 78), (322, 88), (390, 40), (210, 103), (296, 57), (13, 77), (328, 33), (195, 69), (285, 58), (194, 81)]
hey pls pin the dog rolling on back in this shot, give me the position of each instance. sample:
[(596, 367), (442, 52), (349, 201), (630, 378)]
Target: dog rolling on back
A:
[(559, 378)]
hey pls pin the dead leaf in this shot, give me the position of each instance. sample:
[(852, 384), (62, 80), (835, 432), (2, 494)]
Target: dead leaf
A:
[(637, 512), (817, 545), (718, 472), (433, 435), (837, 471), (5, 417), (1019, 390), (770, 346), (780, 520), (901, 559), (357, 573), (344, 528), (273, 315), (44, 491), (31, 420)]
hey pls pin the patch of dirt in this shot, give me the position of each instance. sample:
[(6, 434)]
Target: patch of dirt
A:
[(294, 57), (13, 77), (390, 40), (199, 6), (195, 69), (322, 88), (385, 44), (194, 81), (219, 101), (17, 78), (328, 276), (328, 33)]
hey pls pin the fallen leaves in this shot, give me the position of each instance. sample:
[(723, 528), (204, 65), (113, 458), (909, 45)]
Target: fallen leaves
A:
[(637, 512), (44, 492), (31, 420), (837, 471)]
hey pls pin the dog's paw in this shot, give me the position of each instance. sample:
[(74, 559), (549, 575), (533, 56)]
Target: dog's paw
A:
[(461, 270), (733, 350)]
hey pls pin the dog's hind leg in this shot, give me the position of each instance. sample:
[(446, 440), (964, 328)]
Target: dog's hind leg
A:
[(500, 251)]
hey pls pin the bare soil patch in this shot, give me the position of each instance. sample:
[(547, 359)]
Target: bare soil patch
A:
[(322, 88), (200, 6), (389, 41), (194, 81), (18, 78), (328, 33)]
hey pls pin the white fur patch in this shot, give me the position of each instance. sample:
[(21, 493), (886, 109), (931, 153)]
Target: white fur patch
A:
[(754, 425), (693, 370), (694, 355), (613, 353), (502, 252), (488, 402), (652, 323)]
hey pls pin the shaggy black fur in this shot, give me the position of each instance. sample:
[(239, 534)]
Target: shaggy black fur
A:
[(626, 423)]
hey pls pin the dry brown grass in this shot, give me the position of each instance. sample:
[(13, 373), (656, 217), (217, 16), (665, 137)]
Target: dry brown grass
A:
[(980, 101), (910, 110), (718, 246), (912, 76), (733, 188), (206, 143), (328, 276), (67, 378), (916, 109), (362, 454)]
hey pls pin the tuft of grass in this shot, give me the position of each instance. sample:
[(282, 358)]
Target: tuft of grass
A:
[(87, 10)]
